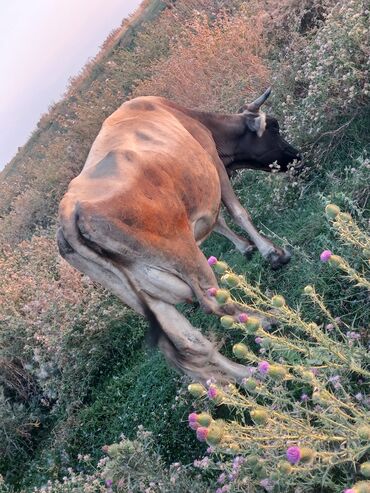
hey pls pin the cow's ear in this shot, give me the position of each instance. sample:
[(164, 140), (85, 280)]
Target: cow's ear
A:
[(256, 123)]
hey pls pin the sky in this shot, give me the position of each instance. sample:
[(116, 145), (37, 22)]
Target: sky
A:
[(42, 44)]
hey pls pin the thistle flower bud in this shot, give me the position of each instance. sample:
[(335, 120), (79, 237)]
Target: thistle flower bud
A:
[(293, 454), (278, 301), (277, 372), (240, 350), (230, 280), (284, 467), (252, 324), (193, 425), (202, 433), (263, 367), (365, 469), (321, 397), (364, 432), (259, 416), (204, 419), (212, 260), (335, 260), (214, 435), (307, 455), (250, 384), (222, 296), (361, 487), (307, 376), (243, 317), (326, 255), (213, 392), (332, 210), (212, 292), (196, 390), (309, 289), (227, 321), (220, 267)]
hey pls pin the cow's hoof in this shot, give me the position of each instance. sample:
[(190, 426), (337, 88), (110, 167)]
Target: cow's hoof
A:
[(278, 258)]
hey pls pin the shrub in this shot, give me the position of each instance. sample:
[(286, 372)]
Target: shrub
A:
[(60, 335), (209, 67), (302, 414), (130, 465), (323, 74)]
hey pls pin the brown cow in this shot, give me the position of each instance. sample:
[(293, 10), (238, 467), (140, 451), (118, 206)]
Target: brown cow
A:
[(149, 194)]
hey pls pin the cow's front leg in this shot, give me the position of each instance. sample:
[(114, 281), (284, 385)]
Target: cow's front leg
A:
[(272, 253), (244, 246)]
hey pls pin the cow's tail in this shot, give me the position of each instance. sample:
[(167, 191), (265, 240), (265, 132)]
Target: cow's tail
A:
[(72, 237)]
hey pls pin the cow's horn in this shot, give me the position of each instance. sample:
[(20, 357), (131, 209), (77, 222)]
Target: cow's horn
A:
[(255, 106)]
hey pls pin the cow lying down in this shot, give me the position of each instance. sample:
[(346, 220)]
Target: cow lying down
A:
[(149, 194)]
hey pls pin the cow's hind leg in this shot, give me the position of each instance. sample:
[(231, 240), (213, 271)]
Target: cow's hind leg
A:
[(188, 350), (98, 273), (183, 345)]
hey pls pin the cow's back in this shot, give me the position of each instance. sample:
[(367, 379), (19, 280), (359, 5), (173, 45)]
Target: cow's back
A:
[(148, 173)]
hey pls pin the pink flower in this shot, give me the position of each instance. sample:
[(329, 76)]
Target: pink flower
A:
[(192, 419), (212, 392), (202, 433), (212, 260), (221, 479), (258, 340), (325, 256), (212, 292), (267, 484), (243, 317), (349, 490), (263, 367), (293, 454)]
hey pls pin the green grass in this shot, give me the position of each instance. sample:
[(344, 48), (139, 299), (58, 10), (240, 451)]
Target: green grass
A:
[(143, 393), (144, 390)]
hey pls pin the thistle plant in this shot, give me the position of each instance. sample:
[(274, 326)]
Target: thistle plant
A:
[(301, 419)]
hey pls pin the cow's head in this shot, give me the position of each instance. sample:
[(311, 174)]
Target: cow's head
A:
[(261, 144)]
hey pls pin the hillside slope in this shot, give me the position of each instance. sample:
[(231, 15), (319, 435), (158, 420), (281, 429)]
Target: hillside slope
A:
[(75, 371)]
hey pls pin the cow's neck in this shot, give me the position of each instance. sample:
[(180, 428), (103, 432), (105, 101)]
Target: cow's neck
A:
[(226, 131)]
